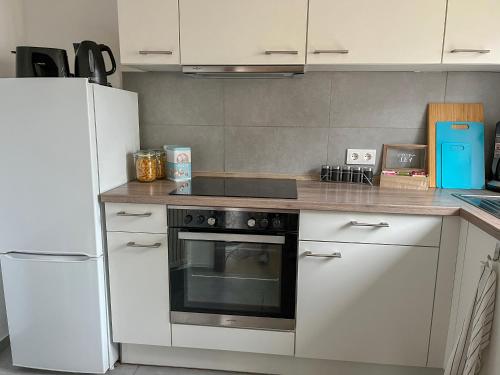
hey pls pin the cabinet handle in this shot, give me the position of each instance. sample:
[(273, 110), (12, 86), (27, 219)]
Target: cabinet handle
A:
[(151, 246), (335, 254), (123, 213), (281, 52), (340, 51), (158, 52), (382, 224), (465, 50)]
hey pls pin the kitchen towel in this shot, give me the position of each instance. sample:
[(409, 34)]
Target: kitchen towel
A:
[(465, 359)]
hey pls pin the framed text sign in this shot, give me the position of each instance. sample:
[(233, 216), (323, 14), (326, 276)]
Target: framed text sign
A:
[(405, 157)]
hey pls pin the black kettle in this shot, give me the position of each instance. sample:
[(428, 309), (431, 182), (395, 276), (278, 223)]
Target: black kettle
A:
[(89, 62)]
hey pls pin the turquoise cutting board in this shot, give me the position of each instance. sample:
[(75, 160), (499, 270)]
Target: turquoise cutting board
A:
[(460, 155)]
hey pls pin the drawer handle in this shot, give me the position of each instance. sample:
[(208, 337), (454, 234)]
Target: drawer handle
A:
[(123, 213), (272, 52), (465, 50), (158, 52), (335, 254), (151, 246), (382, 224), (339, 51)]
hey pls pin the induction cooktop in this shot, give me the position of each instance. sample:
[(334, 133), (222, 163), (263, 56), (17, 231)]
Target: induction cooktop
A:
[(239, 187)]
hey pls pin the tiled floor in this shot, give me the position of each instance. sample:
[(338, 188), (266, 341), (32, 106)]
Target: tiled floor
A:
[(6, 368)]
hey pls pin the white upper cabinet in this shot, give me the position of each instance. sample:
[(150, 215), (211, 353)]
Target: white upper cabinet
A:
[(242, 32), (149, 32), (376, 32), (472, 32)]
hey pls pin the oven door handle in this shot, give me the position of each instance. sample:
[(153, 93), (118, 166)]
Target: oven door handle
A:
[(231, 237)]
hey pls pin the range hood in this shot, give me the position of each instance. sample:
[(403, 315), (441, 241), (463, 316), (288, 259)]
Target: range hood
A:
[(243, 71)]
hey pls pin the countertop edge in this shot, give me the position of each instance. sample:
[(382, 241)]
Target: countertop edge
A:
[(469, 214), (317, 197), (286, 205), (478, 218)]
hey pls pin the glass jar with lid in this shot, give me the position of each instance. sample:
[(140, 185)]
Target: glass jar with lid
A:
[(161, 164), (145, 165)]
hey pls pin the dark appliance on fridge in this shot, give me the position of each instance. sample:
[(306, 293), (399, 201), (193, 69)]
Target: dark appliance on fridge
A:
[(89, 62), (41, 62)]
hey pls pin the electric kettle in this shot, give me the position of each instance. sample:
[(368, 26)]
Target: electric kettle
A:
[(89, 62)]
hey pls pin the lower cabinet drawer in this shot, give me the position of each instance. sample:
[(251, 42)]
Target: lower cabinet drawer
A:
[(365, 303), (233, 339), (397, 229), (138, 278), (132, 217)]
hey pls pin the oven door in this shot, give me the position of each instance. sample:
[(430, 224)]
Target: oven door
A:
[(233, 279)]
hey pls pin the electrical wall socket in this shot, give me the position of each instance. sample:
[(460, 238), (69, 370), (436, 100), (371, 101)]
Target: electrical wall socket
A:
[(361, 156)]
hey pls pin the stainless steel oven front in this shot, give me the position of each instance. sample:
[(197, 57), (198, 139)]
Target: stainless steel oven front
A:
[(233, 267)]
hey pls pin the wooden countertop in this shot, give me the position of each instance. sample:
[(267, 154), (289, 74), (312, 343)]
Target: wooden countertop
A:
[(315, 195)]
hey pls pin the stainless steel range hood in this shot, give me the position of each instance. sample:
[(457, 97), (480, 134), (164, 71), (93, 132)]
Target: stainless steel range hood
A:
[(243, 71)]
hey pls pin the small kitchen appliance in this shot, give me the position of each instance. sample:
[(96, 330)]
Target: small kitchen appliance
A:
[(233, 267), (41, 62), (89, 62), (494, 184)]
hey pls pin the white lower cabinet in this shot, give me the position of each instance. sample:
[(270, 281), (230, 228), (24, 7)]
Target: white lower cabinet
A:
[(475, 246), (373, 304), (138, 277)]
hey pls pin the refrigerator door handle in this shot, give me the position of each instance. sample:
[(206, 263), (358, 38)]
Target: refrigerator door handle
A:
[(47, 258)]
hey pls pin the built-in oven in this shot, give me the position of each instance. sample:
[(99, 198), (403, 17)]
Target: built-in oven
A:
[(233, 267)]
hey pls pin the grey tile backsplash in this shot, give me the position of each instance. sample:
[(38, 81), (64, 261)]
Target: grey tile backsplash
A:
[(295, 125)]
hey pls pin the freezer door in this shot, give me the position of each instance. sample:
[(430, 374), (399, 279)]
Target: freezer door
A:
[(56, 310), (50, 185), (117, 129)]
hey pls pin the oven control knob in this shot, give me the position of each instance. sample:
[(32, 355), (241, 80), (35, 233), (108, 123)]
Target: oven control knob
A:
[(276, 222), (188, 219), (264, 223), (251, 222), (211, 221), (200, 219)]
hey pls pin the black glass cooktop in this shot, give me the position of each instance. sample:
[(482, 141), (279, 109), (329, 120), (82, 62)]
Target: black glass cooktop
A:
[(239, 187)]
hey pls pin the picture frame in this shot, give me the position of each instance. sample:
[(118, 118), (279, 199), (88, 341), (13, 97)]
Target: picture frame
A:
[(405, 157)]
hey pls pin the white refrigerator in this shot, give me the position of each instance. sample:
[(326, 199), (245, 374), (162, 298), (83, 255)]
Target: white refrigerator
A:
[(63, 141)]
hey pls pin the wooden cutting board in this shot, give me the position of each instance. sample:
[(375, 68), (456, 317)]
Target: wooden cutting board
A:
[(448, 112)]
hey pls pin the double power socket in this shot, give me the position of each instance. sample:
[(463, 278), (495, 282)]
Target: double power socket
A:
[(361, 156)]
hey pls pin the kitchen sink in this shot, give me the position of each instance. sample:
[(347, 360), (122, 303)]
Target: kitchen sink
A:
[(488, 203)]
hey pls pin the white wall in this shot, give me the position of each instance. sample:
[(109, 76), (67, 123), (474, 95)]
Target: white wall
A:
[(11, 34), (57, 24)]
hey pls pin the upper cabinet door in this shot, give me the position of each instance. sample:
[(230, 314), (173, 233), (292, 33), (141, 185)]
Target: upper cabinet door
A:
[(242, 32), (149, 32), (375, 32), (472, 32)]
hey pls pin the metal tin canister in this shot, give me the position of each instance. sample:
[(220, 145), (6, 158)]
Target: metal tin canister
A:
[(367, 176), (336, 173), (325, 173), (357, 177), (346, 174)]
